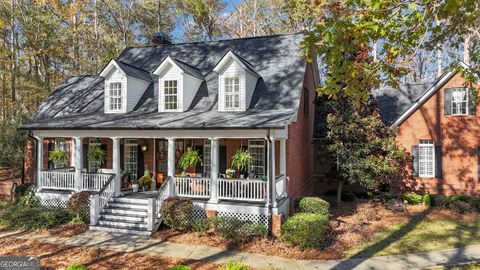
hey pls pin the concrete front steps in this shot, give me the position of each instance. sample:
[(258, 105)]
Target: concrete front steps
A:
[(125, 215)]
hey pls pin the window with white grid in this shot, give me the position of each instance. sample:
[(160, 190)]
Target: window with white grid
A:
[(60, 145), (115, 93), (257, 150), (131, 157), (170, 91), (459, 101), (426, 158), (232, 93), (93, 166)]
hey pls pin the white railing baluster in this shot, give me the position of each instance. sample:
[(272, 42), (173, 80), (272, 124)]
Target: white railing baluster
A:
[(242, 190), (57, 179), (192, 187)]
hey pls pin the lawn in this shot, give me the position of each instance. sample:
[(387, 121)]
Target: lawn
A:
[(419, 236)]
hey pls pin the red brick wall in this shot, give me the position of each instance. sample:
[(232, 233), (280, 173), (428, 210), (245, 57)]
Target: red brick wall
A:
[(458, 137), (300, 159), (29, 161)]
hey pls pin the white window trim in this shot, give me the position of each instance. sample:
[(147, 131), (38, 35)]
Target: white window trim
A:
[(262, 146), (122, 100), (164, 96), (129, 145), (427, 143), (452, 102), (233, 94)]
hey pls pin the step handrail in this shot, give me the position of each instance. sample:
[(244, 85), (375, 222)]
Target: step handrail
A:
[(155, 204), (98, 200)]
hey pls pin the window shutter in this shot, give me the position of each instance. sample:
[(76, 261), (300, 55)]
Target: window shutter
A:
[(472, 104), (140, 164), (415, 160), (104, 163), (438, 162), (67, 150), (85, 156), (122, 157), (51, 147), (447, 102), (199, 167)]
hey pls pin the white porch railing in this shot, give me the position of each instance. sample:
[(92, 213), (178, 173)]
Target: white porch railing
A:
[(57, 179), (94, 181), (242, 190), (192, 187)]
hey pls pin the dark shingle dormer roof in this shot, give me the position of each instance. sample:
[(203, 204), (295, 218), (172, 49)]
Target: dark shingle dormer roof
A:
[(134, 71), (276, 99), (188, 69)]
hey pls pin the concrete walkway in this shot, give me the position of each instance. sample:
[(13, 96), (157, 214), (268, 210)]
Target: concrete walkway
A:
[(154, 247)]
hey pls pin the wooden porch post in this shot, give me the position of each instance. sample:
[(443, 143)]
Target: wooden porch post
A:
[(214, 155), (116, 165), (78, 161), (39, 162)]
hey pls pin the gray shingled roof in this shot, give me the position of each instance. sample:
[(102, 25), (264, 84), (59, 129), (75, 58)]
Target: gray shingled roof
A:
[(78, 103), (135, 71), (188, 69), (394, 102)]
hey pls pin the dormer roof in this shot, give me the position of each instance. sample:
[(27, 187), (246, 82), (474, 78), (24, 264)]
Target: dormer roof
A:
[(127, 69), (237, 58), (186, 68)]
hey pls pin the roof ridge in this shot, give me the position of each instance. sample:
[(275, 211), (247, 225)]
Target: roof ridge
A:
[(215, 41)]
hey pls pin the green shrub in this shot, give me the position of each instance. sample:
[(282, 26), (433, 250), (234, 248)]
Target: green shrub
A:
[(76, 221), (234, 266), (439, 200), (463, 198), (22, 191), (427, 199), (32, 218), (145, 180), (460, 207), (413, 198), (385, 197), (76, 267), (177, 213), (180, 267), (201, 226), (79, 206), (314, 205), (30, 200), (305, 230), (233, 228)]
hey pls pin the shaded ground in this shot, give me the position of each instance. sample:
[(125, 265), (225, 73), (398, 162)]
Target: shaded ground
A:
[(352, 225), (55, 256)]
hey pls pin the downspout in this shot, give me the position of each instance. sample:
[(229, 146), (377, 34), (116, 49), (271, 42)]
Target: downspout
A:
[(270, 180)]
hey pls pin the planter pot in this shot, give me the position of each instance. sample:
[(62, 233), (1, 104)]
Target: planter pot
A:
[(135, 187)]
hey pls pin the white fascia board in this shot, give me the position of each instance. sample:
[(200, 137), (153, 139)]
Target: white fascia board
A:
[(224, 60), (112, 64), (167, 60)]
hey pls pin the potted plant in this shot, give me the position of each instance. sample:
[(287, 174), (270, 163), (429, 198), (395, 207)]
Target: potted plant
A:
[(96, 155), (135, 185), (189, 159), (126, 175), (145, 181), (58, 157), (241, 160)]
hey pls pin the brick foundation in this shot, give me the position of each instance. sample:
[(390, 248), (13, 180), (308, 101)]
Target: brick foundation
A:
[(277, 225), (211, 213)]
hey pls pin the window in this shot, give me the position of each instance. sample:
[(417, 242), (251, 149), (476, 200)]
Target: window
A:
[(170, 90), (232, 93), (93, 166), (61, 145), (257, 150), (115, 96), (426, 158), (459, 101), (131, 157)]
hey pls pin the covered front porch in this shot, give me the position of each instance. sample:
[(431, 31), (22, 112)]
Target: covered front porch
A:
[(264, 182)]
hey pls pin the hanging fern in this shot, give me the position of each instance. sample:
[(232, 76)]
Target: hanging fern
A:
[(241, 160), (189, 159), (57, 156), (97, 154)]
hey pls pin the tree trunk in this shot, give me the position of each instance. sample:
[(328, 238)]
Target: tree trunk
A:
[(466, 50), (339, 191)]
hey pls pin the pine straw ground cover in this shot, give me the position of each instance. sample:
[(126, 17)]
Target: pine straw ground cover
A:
[(353, 225), (55, 256)]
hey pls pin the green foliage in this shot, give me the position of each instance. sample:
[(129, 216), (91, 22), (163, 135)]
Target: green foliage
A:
[(314, 205), (189, 159), (241, 160), (30, 200), (439, 200), (76, 221), (22, 190), (306, 230), (12, 140), (145, 180), (413, 198), (463, 198), (126, 173), (78, 205), (234, 229), (427, 199), (32, 218), (234, 266), (76, 267), (201, 226), (180, 267), (97, 154), (57, 156), (363, 147), (177, 213)]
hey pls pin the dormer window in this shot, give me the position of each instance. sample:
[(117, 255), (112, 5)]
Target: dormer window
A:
[(115, 96), (232, 93), (459, 101), (170, 88)]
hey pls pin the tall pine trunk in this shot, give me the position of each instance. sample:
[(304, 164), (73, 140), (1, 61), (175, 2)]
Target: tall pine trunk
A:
[(339, 191)]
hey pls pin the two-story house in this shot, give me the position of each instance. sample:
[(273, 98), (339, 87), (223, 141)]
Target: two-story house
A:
[(146, 108)]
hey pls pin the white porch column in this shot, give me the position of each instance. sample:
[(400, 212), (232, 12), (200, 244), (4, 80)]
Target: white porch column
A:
[(214, 155), (171, 165), (116, 165), (283, 163), (273, 185), (78, 162), (39, 161)]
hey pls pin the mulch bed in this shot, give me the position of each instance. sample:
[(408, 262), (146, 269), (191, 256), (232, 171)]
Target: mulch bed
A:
[(68, 230), (352, 224), (55, 256)]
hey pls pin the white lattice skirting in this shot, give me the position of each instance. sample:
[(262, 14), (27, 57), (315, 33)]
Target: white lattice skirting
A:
[(53, 199), (255, 218)]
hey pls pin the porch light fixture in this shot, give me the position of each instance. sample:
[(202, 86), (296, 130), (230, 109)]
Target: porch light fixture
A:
[(144, 148)]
